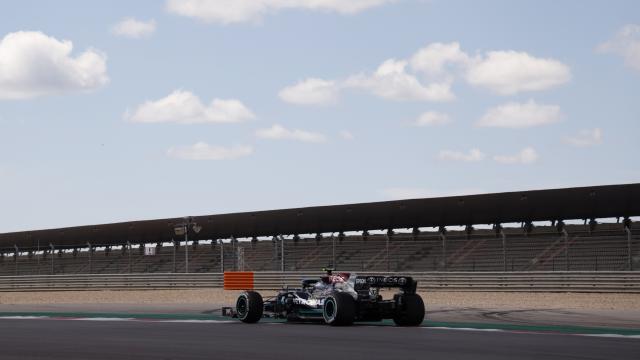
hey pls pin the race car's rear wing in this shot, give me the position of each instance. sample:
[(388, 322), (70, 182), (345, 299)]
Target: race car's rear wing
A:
[(406, 283)]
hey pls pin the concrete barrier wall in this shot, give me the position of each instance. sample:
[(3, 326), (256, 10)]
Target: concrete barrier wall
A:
[(613, 282)]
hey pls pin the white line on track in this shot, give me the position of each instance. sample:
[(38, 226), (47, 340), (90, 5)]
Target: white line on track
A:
[(532, 332), (462, 328), (612, 336), (97, 319), (23, 317), (192, 321), (196, 321)]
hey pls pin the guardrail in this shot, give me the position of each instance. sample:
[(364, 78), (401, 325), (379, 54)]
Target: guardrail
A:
[(613, 282)]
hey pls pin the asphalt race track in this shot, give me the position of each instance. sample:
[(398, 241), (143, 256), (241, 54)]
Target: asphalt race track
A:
[(113, 339)]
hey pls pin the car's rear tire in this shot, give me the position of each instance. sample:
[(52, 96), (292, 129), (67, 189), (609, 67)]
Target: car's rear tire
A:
[(409, 311), (249, 307), (339, 309)]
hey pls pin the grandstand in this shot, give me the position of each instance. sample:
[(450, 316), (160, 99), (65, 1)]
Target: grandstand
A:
[(544, 249), (276, 241)]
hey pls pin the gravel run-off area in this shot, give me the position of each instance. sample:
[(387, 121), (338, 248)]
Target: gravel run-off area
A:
[(591, 301)]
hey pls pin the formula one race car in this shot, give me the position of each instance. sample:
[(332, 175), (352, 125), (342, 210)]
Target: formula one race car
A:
[(338, 299)]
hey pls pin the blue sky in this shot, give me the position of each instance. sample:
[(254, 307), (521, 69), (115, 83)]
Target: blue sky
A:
[(202, 107)]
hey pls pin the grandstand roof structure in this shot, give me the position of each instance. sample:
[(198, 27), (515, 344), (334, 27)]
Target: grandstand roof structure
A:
[(510, 207)]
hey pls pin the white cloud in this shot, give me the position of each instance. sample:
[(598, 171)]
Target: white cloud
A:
[(186, 108), (587, 137), (346, 135), (504, 72), (311, 91), (204, 151), (391, 81), (432, 118), (528, 155), (132, 28), (33, 64), (472, 156), (626, 43), (279, 132), (433, 58), (511, 72), (238, 11), (520, 115)]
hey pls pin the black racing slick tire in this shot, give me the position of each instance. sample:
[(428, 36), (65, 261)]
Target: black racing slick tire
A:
[(249, 307), (409, 311), (339, 309)]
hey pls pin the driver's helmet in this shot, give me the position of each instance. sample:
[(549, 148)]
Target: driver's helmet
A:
[(339, 278)]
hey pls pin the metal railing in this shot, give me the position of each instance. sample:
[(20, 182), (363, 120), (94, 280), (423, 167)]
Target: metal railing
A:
[(613, 282), (146, 281)]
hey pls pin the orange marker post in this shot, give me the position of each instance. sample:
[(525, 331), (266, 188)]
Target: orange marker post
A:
[(238, 280)]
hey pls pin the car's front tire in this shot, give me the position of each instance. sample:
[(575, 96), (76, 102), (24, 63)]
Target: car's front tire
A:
[(339, 309), (409, 310), (249, 307)]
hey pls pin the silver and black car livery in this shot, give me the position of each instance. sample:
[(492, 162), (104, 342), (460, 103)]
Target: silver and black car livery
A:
[(338, 299)]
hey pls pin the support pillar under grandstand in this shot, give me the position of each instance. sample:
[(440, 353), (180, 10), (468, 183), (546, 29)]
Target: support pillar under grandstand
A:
[(560, 227), (233, 251), (442, 231), (341, 237), (388, 240), (15, 256), (186, 249), (221, 256), (281, 253), (90, 255), (276, 253), (240, 255), (629, 253), (38, 257), (500, 232), (333, 254), (53, 249), (129, 255), (174, 245)]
